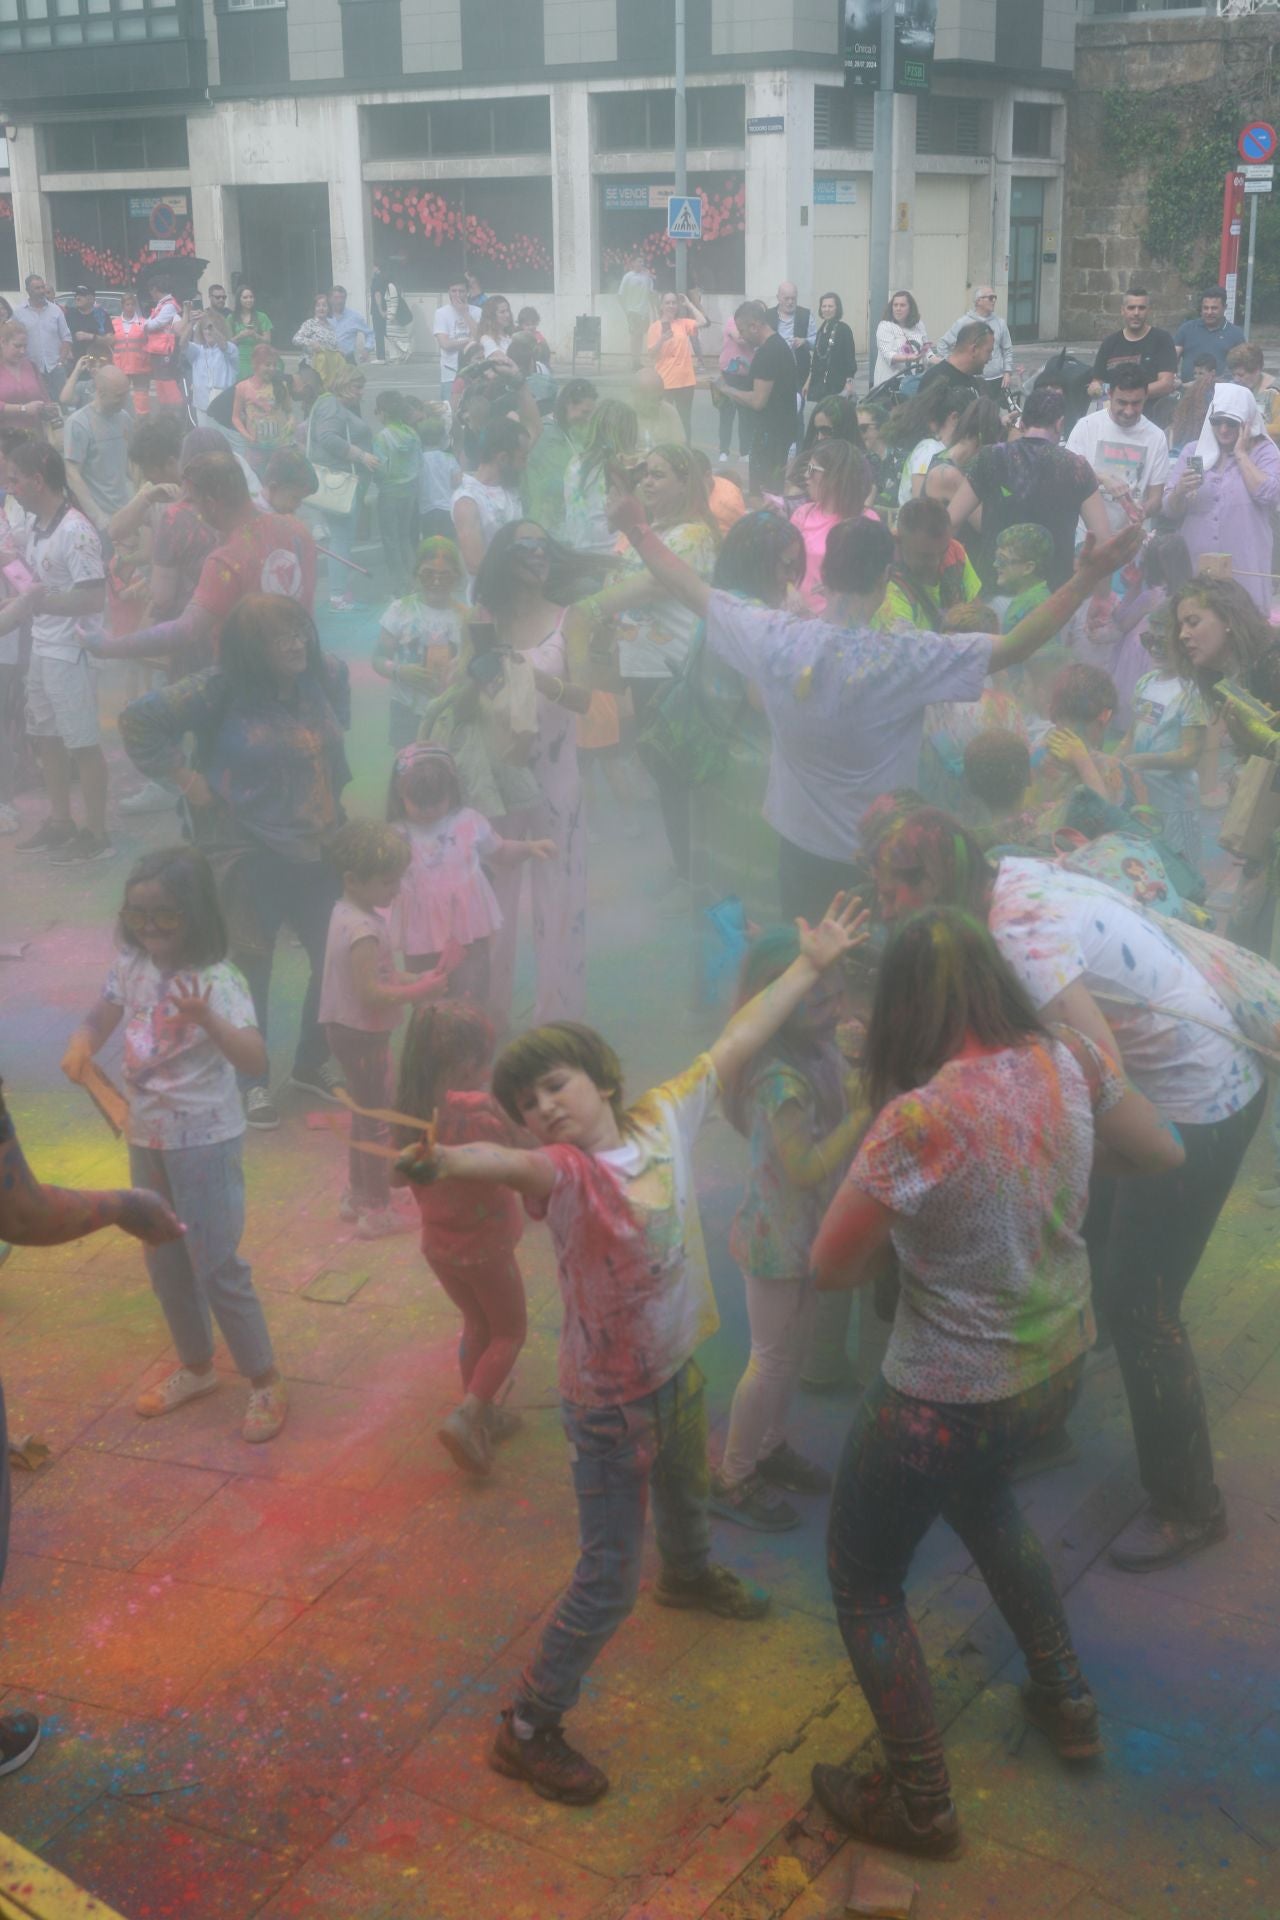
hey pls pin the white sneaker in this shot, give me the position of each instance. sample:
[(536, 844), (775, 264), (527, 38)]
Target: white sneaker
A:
[(153, 798), (347, 1208), (170, 1394), (379, 1223), (10, 820)]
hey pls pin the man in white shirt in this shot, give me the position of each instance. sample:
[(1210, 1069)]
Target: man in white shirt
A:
[(456, 324), (353, 332), (64, 554), (1128, 452), (635, 295), (49, 342), (999, 368), (96, 448)]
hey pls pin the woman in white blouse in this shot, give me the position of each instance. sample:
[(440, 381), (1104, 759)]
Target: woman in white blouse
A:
[(901, 341)]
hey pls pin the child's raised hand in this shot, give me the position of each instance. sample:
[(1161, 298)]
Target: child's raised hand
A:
[(1064, 746), (843, 927), (77, 1056), (540, 849), (188, 1003)]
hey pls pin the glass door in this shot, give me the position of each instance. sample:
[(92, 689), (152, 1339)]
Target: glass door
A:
[(1026, 243)]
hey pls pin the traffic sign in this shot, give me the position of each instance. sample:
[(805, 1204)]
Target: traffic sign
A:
[(1258, 173), (1257, 141), (684, 217), (1258, 186)]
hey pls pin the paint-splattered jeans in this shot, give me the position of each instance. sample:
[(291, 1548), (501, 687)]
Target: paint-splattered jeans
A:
[(1155, 1233), (906, 1462), (618, 1455)]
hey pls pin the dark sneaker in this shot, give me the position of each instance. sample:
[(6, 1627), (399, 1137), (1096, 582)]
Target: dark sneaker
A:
[(547, 1763), (260, 1110), (1056, 1449), (714, 1590), (19, 1738), (786, 1468), (1070, 1724), (81, 849), (500, 1425), (465, 1440), (752, 1504), (871, 1806), (47, 838), (323, 1081), (1160, 1540)]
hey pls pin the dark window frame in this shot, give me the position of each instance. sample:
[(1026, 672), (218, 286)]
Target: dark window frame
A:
[(840, 112), (253, 45), (953, 124), (1041, 146), (38, 25), (98, 161), (431, 146), (701, 103)]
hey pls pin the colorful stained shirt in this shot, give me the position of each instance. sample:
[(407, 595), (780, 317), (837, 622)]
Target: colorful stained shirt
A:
[(182, 1088), (778, 1221), (655, 639), (422, 636), (986, 1171), (922, 603), (1055, 928), (279, 766), (846, 709), (466, 1223), (1163, 705), (264, 553), (632, 1263)]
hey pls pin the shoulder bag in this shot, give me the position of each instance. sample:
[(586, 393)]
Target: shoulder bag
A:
[(338, 487)]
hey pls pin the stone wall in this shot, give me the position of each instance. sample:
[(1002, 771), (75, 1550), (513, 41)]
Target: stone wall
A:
[(1105, 208)]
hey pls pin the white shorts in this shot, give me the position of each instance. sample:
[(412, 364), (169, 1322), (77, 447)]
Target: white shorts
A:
[(62, 701)]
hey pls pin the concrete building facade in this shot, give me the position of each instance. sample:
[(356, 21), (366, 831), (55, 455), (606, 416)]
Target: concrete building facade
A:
[(290, 142)]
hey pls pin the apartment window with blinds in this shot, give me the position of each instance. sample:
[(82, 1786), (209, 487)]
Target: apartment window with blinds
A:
[(843, 117), (948, 125)]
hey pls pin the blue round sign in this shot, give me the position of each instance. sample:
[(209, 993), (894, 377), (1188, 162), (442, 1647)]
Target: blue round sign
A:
[(1257, 143)]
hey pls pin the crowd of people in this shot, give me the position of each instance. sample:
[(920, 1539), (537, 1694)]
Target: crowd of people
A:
[(923, 685)]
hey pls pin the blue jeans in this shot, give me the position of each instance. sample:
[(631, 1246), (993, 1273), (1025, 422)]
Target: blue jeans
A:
[(618, 1454), (201, 1278), (338, 534), (300, 894), (397, 524)]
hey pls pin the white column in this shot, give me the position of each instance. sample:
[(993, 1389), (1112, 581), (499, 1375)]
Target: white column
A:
[(349, 236), (575, 224), (779, 186), (32, 220), (902, 226)]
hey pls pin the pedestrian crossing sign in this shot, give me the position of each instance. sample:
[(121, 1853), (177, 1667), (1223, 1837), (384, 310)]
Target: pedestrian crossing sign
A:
[(684, 217)]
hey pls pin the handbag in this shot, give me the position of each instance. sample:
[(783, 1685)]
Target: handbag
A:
[(401, 313), (1253, 813), (683, 733), (337, 488)]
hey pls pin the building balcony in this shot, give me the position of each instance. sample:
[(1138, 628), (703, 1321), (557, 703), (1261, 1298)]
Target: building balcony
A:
[(57, 52)]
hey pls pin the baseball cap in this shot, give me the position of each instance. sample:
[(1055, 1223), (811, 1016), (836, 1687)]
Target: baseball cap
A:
[(84, 289)]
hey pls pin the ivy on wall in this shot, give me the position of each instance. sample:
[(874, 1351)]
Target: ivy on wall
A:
[(1194, 136)]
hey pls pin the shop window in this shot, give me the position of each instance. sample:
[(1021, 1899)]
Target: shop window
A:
[(946, 124), (106, 239), (643, 120), (633, 219), (253, 43), (114, 146), (500, 229), (446, 128), (502, 36), (844, 117), (371, 47)]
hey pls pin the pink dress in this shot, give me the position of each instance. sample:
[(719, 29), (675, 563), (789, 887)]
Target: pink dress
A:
[(559, 885), (446, 894)]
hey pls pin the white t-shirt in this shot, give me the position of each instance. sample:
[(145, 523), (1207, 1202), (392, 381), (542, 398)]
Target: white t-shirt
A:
[(1055, 927), (182, 1088), (497, 506), (986, 1169), (1134, 457), (917, 462), (454, 324), (64, 554)]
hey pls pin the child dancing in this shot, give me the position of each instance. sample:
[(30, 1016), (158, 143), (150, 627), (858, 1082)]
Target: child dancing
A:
[(469, 1233), (189, 1027), (616, 1185), (446, 895), (361, 999), (792, 1105)]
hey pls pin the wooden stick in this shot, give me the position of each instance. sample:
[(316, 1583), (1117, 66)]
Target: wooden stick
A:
[(375, 1147), (106, 1097), (426, 1127)]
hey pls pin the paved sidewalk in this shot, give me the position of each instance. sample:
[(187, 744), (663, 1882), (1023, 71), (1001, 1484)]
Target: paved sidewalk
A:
[(269, 1674)]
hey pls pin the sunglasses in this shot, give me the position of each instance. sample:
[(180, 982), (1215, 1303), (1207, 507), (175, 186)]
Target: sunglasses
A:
[(824, 433), (530, 546), (159, 919)]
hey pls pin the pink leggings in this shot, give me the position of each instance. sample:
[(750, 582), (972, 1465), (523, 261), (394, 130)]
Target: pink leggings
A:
[(490, 1298)]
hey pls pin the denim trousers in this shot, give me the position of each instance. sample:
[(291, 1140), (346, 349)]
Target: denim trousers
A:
[(1152, 1234), (201, 1278), (295, 893), (618, 1455), (907, 1462), (397, 515)]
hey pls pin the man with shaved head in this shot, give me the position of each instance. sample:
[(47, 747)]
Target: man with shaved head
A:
[(96, 445), (999, 369)]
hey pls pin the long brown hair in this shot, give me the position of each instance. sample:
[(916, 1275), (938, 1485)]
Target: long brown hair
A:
[(696, 504), (1249, 634), (942, 981)]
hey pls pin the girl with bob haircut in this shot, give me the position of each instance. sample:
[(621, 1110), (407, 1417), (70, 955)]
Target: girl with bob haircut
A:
[(976, 1169), (616, 1186), (189, 1026)]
